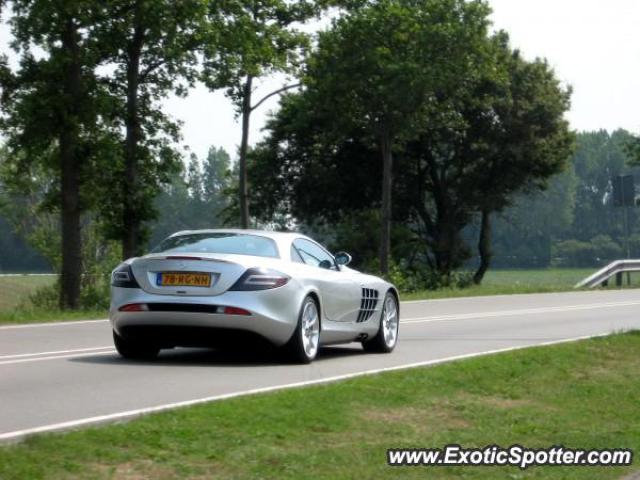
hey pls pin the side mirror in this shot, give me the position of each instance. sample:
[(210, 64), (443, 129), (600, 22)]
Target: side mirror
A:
[(343, 258), (326, 264)]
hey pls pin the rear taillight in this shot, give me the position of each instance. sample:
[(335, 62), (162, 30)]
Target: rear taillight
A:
[(260, 279), (235, 311), (134, 307), (123, 277)]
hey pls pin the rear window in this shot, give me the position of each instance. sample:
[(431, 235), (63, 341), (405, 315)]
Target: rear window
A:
[(233, 243)]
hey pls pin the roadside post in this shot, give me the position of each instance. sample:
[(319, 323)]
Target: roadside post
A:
[(624, 194)]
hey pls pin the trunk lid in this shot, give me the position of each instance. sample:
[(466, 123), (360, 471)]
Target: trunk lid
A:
[(159, 273)]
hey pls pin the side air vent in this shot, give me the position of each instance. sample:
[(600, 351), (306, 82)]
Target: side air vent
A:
[(367, 304)]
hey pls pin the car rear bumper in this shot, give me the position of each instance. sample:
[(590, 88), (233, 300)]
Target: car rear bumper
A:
[(194, 321)]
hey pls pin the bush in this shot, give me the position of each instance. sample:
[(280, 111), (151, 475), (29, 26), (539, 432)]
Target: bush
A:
[(94, 295), (601, 250), (98, 259), (409, 281), (45, 298)]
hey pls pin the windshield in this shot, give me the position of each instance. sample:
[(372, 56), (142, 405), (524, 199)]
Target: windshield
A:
[(233, 243)]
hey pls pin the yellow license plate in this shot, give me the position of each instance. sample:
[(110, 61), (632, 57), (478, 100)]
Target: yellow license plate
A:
[(184, 279)]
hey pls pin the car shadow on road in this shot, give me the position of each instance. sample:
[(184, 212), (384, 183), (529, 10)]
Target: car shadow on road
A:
[(191, 357)]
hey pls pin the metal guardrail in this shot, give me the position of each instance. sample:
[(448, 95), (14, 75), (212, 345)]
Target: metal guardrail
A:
[(614, 268)]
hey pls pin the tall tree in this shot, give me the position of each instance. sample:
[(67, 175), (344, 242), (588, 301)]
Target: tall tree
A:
[(501, 133), (383, 65), (195, 198), (52, 111), (194, 178), (152, 45), (530, 142), (216, 180), (498, 131), (251, 39)]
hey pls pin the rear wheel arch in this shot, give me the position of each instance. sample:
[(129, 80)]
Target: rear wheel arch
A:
[(313, 294)]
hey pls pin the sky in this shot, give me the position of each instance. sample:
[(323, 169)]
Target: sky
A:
[(593, 45)]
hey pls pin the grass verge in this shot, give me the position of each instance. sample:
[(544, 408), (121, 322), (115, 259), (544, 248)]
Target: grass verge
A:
[(33, 315), (16, 307), (580, 395), (16, 290), (507, 282)]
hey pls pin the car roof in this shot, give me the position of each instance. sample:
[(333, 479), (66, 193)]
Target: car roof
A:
[(282, 239), (263, 233)]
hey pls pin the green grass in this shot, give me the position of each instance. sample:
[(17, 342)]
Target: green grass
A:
[(36, 315), (507, 282), (15, 291), (16, 308), (580, 395)]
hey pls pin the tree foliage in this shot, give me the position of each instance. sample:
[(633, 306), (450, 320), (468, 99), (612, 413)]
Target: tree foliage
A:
[(505, 134), (250, 39), (54, 113), (196, 198), (384, 66), (494, 126), (151, 47)]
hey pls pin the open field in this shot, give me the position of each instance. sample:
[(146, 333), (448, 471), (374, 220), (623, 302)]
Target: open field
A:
[(579, 395), (34, 315), (505, 282), (15, 291), (15, 306)]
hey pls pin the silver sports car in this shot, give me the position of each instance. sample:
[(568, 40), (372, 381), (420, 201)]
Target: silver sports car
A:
[(215, 288)]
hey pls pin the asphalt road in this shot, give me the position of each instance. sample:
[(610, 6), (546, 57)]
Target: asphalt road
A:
[(61, 376)]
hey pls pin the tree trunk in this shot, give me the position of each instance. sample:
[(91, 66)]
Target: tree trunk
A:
[(385, 210), (484, 247), (130, 218), (70, 172), (244, 145)]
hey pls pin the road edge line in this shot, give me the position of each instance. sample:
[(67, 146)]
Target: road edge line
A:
[(18, 435), (51, 324)]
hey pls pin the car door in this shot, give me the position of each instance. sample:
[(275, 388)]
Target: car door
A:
[(340, 293)]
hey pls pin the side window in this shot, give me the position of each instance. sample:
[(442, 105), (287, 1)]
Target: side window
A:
[(313, 254), (295, 256)]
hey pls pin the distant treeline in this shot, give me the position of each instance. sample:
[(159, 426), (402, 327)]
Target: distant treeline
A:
[(573, 223)]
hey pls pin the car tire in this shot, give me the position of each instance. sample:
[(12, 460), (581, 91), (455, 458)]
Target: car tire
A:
[(305, 342), (387, 337), (134, 350)]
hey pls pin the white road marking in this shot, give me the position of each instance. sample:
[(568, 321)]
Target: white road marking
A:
[(63, 354), (17, 434), (55, 352), (58, 357), (68, 323), (576, 292), (511, 313)]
